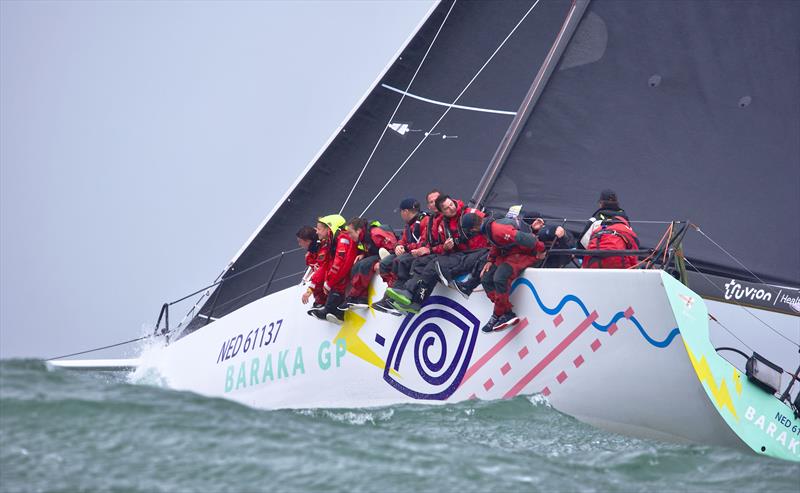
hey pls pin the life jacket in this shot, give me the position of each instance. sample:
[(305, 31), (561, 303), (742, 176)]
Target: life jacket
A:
[(312, 253), (323, 256), (452, 225), (612, 233), (412, 232), (345, 252), (327, 247), (430, 224), (451, 228), (376, 237)]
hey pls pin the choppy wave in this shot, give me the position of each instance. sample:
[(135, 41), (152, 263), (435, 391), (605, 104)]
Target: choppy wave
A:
[(68, 431)]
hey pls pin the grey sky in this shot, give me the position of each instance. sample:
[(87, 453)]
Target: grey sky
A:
[(141, 143)]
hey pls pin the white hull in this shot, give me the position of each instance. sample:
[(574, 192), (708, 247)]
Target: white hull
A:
[(603, 346)]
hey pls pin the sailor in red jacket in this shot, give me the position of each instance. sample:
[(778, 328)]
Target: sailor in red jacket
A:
[(609, 229), (409, 295), (316, 257), (395, 268), (513, 248), (343, 252), (450, 249), (461, 253), (370, 239), (327, 228)]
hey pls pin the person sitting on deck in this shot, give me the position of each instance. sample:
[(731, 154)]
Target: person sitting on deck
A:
[(327, 227), (514, 247), (462, 253), (409, 296), (316, 258), (395, 268), (609, 229), (342, 252), (370, 239)]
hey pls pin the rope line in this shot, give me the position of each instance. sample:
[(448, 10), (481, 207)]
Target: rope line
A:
[(425, 137), (100, 348), (220, 281), (396, 108)]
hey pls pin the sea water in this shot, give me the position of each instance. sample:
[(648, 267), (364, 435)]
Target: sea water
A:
[(69, 431)]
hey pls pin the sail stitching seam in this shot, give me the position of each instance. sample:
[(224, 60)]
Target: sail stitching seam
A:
[(442, 103)]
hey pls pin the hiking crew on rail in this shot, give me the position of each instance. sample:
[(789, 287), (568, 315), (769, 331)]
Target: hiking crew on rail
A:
[(459, 246)]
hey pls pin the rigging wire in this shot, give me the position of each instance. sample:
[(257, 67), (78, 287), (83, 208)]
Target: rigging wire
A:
[(200, 298), (220, 281), (386, 127), (741, 306), (425, 137), (257, 288), (697, 228), (100, 348)]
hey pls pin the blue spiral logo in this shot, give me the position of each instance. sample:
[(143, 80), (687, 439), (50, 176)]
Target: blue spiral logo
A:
[(432, 350)]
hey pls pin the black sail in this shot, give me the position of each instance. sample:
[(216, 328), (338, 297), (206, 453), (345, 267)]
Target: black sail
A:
[(688, 110), (513, 37)]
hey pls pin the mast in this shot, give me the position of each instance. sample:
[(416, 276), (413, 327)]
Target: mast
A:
[(537, 87)]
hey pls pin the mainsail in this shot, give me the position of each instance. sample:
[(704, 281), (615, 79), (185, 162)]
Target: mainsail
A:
[(689, 110), (433, 119)]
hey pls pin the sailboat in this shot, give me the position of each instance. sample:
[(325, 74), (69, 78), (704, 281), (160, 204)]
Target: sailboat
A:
[(688, 109)]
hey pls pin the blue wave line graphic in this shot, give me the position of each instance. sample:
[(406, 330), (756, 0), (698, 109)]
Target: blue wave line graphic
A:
[(602, 328)]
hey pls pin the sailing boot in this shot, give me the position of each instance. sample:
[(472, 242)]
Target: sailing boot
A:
[(357, 302), (318, 312), (489, 327), (506, 320), (385, 305), (446, 281), (401, 297), (333, 313), (467, 286), (419, 297)]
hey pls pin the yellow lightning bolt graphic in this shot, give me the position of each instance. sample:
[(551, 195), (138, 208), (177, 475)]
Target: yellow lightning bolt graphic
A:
[(720, 393), (355, 345), (737, 380), (370, 297)]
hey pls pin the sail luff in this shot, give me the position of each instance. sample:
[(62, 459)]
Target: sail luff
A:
[(537, 87)]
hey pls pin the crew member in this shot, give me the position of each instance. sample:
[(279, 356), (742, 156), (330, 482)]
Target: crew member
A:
[(370, 239), (343, 252), (514, 247), (609, 229), (395, 268), (408, 296), (316, 258), (459, 254)]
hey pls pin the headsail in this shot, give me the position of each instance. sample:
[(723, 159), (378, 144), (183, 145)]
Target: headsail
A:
[(463, 74), (689, 110)]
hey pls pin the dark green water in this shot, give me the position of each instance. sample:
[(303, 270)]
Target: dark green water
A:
[(67, 431)]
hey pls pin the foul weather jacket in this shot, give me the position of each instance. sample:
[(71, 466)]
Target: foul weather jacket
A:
[(450, 227), (344, 256)]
